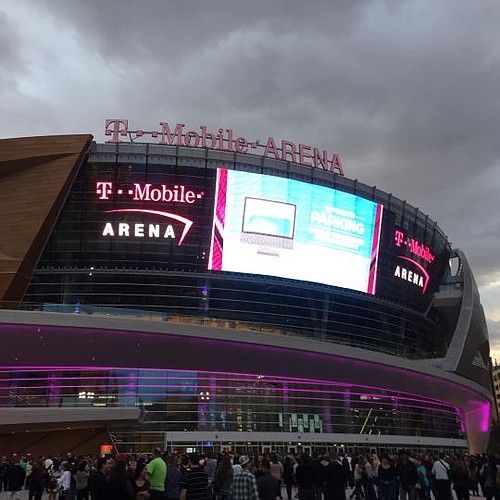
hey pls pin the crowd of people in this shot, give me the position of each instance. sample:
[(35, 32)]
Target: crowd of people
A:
[(231, 476)]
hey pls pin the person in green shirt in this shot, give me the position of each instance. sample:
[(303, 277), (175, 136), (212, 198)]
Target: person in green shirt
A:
[(156, 473)]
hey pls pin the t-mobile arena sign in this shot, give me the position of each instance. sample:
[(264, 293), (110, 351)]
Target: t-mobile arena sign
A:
[(162, 194), (225, 140)]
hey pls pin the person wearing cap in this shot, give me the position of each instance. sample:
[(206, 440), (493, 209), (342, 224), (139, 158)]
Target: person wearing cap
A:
[(245, 483), (156, 473)]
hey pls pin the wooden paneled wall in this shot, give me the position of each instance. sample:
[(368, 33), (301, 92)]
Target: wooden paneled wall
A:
[(35, 175)]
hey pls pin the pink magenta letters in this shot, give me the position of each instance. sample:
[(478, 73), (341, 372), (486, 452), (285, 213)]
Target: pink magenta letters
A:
[(226, 140), (416, 248), (177, 193)]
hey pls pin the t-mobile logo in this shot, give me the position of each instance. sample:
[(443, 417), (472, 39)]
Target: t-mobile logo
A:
[(116, 128), (398, 238), (104, 189)]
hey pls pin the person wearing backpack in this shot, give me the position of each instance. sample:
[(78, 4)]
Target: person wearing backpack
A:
[(441, 474)]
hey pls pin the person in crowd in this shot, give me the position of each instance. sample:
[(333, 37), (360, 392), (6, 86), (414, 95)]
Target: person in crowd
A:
[(48, 462), (3, 473), (64, 482), (460, 478), (156, 474), (350, 466), (288, 476), (224, 479), (345, 463), (37, 481), (359, 470), (423, 485), (140, 484), (28, 469), (184, 464), (318, 475), (174, 477), (407, 476), (367, 479), (245, 483), (335, 479), (268, 485), (82, 481), (388, 488), (256, 465), (441, 473), (490, 473), (474, 476), (305, 477), (52, 474), (119, 485), (98, 482), (194, 483), (276, 468), (321, 468), (132, 467), (375, 461), (73, 462), (15, 478), (237, 468), (210, 467)]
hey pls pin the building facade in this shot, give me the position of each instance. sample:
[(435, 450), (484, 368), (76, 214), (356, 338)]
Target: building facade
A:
[(496, 389), (180, 295)]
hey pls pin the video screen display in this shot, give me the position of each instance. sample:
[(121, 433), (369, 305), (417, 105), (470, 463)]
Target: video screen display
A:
[(291, 229), (412, 262), (268, 217)]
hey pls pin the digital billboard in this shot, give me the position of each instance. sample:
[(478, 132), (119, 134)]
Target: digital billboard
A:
[(135, 216), (291, 229), (411, 262)]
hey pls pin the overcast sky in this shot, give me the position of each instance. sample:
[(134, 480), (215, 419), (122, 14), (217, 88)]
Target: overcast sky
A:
[(407, 92)]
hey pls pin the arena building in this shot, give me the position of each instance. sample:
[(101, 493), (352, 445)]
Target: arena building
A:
[(193, 289)]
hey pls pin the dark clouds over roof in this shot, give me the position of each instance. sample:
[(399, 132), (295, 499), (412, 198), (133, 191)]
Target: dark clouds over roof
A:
[(406, 92)]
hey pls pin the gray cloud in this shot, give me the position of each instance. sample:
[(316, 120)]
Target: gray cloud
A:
[(406, 92), (11, 62)]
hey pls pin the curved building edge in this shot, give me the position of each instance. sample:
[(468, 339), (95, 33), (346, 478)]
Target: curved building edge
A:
[(114, 343)]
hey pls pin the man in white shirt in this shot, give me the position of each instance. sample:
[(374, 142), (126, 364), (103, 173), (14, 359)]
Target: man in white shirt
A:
[(441, 473)]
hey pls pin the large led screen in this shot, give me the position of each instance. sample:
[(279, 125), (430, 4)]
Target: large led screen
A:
[(412, 261), (291, 229)]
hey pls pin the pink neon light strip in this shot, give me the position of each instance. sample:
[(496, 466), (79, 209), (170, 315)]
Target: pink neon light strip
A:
[(400, 395), (227, 374), (187, 223), (402, 408), (424, 378), (380, 398), (372, 279)]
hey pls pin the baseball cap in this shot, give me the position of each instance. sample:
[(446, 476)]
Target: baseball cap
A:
[(244, 459), (121, 457)]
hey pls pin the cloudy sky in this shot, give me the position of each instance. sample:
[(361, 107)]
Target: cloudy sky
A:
[(407, 92)]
